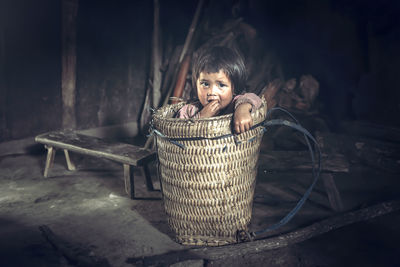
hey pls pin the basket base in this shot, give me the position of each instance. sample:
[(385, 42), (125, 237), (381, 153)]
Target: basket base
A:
[(210, 241)]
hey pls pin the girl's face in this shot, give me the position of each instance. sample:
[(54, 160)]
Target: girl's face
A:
[(214, 86)]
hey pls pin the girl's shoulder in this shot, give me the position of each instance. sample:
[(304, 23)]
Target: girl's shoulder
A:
[(250, 98)]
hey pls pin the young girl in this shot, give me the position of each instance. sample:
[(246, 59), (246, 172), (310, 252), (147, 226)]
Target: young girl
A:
[(217, 74)]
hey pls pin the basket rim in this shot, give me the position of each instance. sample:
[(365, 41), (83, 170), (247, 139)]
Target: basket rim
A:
[(160, 113), (168, 126)]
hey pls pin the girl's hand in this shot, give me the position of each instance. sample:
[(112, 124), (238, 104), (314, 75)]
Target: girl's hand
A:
[(211, 109), (242, 120)]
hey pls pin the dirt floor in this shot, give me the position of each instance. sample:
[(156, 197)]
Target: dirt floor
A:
[(93, 220)]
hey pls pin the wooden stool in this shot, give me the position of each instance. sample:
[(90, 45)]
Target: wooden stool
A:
[(129, 155)]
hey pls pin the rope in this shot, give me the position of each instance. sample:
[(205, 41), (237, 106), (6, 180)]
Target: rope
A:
[(265, 124)]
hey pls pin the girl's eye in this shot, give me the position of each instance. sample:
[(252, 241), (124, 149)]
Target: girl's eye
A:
[(222, 85), (204, 84)]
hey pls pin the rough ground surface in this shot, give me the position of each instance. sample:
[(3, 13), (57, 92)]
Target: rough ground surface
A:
[(89, 211)]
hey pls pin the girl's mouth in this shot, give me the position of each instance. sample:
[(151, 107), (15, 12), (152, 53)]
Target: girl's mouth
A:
[(211, 99)]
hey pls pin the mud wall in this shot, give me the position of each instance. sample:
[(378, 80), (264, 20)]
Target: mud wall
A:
[(351, 47), (113, 51)]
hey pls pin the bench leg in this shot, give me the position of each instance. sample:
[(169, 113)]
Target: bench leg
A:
[(70, 164), (146, 174), (129, 183), (49, 160), (333, 193)]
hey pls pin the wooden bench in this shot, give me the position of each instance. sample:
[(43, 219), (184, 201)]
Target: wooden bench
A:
[(299, 161), (128, 155)]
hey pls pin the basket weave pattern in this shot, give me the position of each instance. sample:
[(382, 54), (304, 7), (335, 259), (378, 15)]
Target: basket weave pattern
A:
[(208, 185)]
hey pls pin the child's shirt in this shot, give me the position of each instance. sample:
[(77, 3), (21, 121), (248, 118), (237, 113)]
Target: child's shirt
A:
[(193, 110)]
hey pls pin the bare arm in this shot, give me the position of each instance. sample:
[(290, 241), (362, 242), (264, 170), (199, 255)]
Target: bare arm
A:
[(242, 119)]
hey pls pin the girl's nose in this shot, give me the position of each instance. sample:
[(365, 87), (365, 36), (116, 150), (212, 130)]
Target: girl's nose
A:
[(213, 89)]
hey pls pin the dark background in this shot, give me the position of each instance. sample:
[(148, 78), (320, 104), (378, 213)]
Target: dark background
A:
[(350, 47)]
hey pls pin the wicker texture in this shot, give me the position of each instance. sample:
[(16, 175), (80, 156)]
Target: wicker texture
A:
[(208, 186)]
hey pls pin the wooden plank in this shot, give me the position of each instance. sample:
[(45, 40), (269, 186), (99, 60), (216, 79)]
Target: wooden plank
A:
[(301, 161), (89, 145)]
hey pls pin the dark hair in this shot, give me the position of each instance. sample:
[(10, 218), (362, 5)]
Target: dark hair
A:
[(213, 59)]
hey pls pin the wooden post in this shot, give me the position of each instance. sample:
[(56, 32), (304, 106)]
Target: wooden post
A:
[(157, 55), (68, 73), (153, 91), (3, 86)]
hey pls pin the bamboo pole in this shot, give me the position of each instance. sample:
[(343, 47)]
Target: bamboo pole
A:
[(188, 42), (191, 30)]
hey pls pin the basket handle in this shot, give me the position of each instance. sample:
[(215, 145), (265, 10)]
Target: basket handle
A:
[(315, 171)]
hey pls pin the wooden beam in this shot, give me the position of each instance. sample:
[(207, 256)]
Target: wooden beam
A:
[(302, 234), (68, 73), (267, 244)]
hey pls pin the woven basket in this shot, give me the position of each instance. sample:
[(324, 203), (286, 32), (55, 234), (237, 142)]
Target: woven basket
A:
[(207, 182)]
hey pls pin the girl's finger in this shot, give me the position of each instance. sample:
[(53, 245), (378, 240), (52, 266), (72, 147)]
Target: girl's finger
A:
[(237, 128), (242, 128), (216, 104), (247, 126)]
